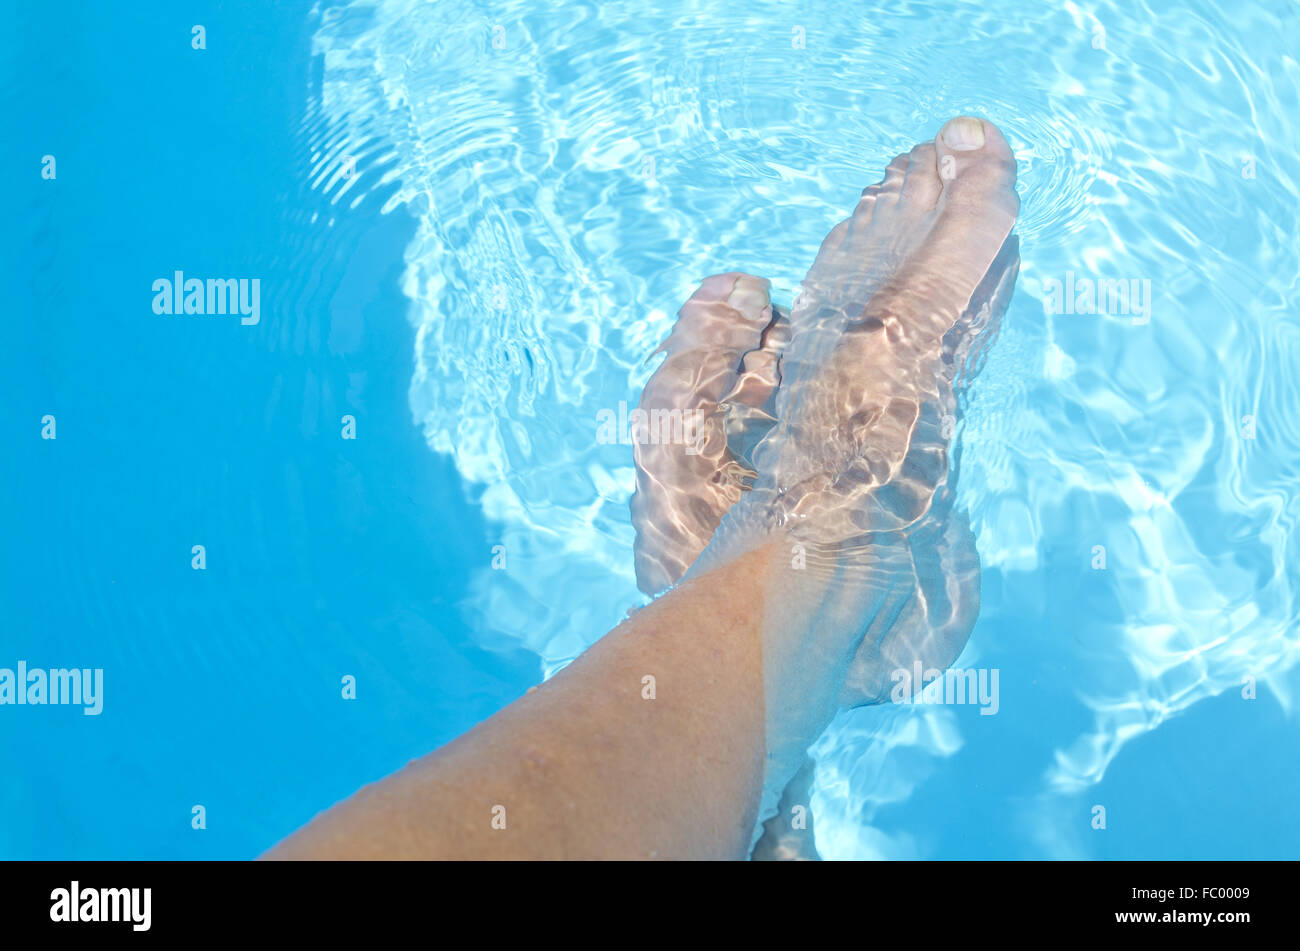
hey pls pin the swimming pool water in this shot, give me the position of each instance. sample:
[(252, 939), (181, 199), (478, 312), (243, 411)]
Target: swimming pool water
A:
[(472, 223)]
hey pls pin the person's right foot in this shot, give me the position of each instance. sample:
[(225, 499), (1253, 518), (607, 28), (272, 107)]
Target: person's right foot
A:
[(855, 470), (883, 325)]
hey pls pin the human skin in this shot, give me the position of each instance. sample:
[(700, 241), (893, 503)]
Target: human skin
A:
[(585, 766), (749, 654)]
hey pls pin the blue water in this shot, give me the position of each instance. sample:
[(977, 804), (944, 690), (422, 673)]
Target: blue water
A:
[(471, 223)]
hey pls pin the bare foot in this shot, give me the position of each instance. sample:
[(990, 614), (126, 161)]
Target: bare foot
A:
[(707, 403), (887, 320), (855, 473), (856, 399)]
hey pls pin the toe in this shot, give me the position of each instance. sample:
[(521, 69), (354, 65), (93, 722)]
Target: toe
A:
[(759, 369), (887, 187), (722, 321), (975, 164), (895, 173), (967, 138), (885, 192), (921, 186)]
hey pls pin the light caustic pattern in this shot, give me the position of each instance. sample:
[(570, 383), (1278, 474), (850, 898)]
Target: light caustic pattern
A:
[(575, 170)]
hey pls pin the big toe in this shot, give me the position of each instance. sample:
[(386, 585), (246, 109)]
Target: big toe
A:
[(976, 166)]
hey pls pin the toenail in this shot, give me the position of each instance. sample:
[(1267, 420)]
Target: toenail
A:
[(963, 134)]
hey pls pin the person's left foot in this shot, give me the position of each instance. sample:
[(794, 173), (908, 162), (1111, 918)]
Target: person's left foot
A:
[(706, 402)]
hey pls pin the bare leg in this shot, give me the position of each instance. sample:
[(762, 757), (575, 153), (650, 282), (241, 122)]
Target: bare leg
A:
[(754, 651), (584, 765)]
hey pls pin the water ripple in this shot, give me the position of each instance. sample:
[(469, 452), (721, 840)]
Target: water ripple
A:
[(575, 171)]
